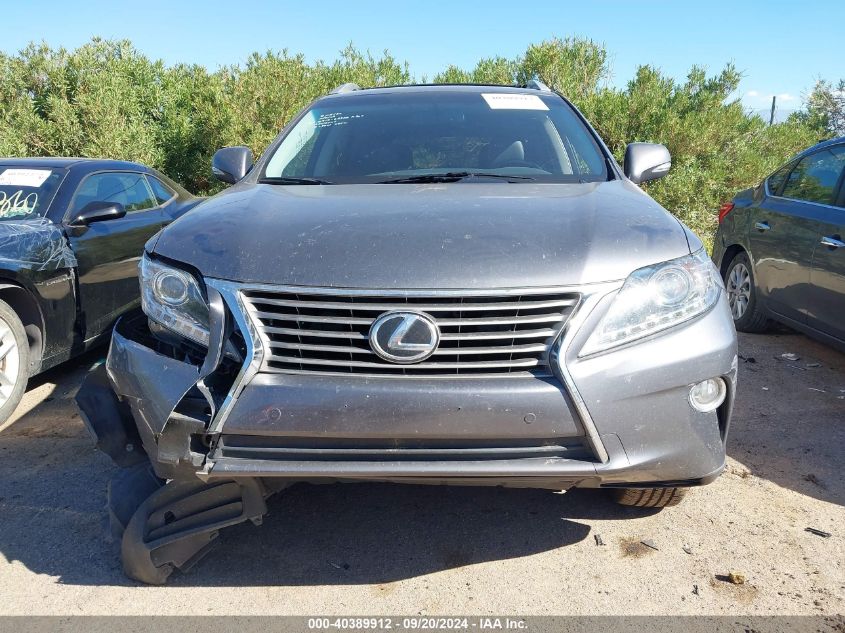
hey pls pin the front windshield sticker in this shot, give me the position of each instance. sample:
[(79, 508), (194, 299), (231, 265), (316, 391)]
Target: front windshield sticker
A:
[(24, 177), (505, 101), (336, 118), (18, 203)]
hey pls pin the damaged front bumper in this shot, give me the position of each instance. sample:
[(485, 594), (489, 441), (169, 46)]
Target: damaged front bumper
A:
[(618, 419)]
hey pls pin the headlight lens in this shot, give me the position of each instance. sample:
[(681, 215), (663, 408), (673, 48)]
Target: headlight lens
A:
[(173, 298), (655, 298)]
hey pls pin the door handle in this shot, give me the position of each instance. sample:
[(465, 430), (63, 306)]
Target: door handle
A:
[(832, 241), (762, 226)]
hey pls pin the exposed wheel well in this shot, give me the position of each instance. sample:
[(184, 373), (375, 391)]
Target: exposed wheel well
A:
[(730, 252), (27, 310)]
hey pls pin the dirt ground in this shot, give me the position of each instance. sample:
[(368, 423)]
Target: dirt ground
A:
[(382, 549)]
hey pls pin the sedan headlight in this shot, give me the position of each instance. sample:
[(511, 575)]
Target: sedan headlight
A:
[(655, 298), (173, 298)]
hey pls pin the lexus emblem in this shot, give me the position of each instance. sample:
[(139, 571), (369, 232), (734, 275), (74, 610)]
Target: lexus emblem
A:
[(404, 337)]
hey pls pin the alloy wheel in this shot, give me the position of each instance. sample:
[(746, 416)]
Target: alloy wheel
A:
[(739, 290), (9, 362)]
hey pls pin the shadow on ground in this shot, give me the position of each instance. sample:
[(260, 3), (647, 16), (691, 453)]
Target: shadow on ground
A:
[(379, 533), (52, 501)]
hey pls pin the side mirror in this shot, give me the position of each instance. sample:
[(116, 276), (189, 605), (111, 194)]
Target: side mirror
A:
[(230, 164), (98, 212), (646, 161)]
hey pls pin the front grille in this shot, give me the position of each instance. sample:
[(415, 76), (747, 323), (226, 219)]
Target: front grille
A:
[(326, 331)]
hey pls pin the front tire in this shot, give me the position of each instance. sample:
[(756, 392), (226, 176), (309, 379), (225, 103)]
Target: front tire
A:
[(14, 361), (743, 296), (649, 497)]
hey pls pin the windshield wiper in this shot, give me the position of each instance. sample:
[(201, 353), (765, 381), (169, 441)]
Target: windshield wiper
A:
[(289, 180), (451, 176)]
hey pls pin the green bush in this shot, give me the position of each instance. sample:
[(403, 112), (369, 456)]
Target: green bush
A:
[(107, 99)]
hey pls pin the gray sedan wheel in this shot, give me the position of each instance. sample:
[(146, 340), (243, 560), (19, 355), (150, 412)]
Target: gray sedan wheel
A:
[(14, 361), (739, 290), (742, 296)]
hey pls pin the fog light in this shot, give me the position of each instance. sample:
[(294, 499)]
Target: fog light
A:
[(708, 394)]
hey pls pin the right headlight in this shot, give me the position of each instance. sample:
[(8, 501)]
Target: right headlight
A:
[(655, 298), (173, 298)]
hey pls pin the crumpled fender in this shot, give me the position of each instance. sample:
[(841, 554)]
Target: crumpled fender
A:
[(109, 420), (36, 243), (152, 383), (155, 386)]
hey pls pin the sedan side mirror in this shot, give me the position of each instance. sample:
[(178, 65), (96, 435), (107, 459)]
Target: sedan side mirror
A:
[(646, 161), (230, 164), (98, 212)]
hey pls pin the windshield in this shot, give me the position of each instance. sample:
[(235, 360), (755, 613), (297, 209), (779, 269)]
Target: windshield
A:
[(369, 138), (26, 192)]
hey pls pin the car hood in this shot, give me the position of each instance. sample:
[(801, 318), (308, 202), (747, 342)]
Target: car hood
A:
[(455, 235)]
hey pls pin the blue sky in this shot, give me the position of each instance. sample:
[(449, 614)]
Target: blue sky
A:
[(782, 47)]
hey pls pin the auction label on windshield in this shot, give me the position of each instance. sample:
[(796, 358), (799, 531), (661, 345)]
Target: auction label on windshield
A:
[(506, 101), (24, 177)]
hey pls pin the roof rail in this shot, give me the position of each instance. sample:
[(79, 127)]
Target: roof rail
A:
[(343, 88), (536, 84)]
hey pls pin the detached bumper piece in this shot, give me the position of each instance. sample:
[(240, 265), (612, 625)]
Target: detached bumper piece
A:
[(179, 523)]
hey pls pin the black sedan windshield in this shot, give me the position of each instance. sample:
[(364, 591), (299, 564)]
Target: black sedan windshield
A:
[(437, 135), (26, 192)]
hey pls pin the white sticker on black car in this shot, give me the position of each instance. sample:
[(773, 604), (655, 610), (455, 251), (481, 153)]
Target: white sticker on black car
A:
[(24, 177)]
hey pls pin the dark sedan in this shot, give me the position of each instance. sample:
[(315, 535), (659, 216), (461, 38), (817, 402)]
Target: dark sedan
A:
[(71, 233), (781, 247)]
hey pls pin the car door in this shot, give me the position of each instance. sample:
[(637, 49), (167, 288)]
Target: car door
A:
[(827, 279), (785, 230), (108, 252)]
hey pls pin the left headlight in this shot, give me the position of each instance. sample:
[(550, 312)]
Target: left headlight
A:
[(655, 298), (173, 298)]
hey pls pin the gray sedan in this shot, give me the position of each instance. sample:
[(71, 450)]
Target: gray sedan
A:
[(781, 247)]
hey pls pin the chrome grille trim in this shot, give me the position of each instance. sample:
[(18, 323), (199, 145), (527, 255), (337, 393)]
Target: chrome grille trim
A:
[(422, 307), (309, 318), (483, 332)]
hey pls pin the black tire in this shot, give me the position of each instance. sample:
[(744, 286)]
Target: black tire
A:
[(752, 319), (11, 327), (649, 497)]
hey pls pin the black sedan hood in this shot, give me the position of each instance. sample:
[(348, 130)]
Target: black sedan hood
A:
[(456, 235)]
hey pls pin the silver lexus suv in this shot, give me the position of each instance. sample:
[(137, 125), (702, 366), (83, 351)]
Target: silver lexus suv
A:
[(417, 284)]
